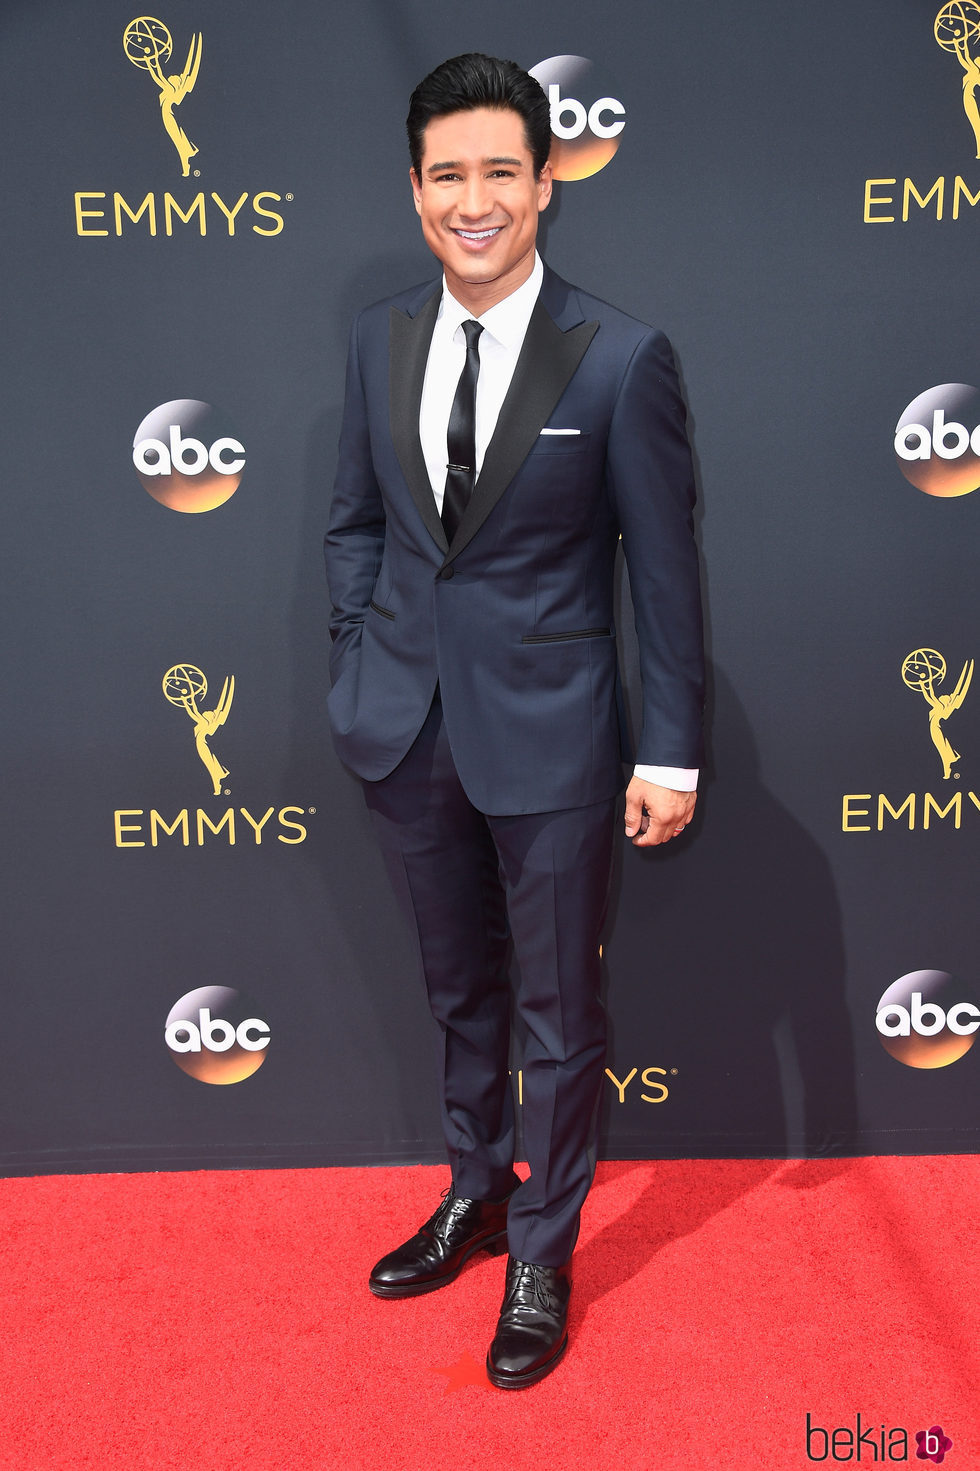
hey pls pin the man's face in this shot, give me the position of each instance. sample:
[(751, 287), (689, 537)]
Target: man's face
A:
[(479, 202)]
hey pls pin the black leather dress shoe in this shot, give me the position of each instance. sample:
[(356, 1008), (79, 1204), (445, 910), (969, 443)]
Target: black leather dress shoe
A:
[(439, 1249), (531, 1335)]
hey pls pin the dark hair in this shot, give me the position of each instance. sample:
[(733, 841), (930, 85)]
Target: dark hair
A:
[(466, 82)]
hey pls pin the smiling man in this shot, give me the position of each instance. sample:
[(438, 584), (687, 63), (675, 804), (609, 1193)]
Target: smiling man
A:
[(502, 431), (479, 195)]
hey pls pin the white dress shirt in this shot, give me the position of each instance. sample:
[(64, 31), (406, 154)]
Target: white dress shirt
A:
[(504, 329)]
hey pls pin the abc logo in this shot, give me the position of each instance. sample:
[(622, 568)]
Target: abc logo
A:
[(937, 441), (213, 1036), (585, 127), (187, 457), (923, 1020)]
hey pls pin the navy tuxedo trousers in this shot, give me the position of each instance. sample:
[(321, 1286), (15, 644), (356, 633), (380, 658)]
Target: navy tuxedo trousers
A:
[(471, 885)]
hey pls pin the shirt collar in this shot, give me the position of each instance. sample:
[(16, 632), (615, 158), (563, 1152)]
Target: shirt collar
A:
[(508, 320)]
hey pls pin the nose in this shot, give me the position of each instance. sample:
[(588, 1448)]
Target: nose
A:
[(474, 201)]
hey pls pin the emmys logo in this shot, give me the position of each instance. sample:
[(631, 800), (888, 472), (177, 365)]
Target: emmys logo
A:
[(185, 457), (936, 450), (922, 670), (922, 1023), (956, 27), (956, 30), (101, 213), (585, 136), (148, 45), (212, 1036), (183, 686)]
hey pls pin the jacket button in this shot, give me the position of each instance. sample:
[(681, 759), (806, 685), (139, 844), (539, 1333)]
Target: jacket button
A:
[(445, 573)]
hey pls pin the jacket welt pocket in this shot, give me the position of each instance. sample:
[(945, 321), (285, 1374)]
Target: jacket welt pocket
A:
[(560, 444), (561, 638), (377, 608)]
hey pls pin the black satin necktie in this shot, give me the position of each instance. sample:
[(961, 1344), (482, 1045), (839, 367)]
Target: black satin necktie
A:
[(461, 436)]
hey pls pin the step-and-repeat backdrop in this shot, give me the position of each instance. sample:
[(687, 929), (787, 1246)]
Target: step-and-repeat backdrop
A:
[(203, 963)]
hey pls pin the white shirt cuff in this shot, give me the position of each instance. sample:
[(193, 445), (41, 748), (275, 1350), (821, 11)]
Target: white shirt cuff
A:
[(677, 778)]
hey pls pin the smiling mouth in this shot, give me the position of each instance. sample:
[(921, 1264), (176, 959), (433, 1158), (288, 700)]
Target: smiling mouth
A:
[(477, 237)]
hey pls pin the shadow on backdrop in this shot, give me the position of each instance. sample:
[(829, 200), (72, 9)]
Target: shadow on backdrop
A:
[(727, 952)]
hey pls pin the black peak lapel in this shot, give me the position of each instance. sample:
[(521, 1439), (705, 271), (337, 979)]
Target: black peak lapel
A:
[(408, 351), (547, 362)]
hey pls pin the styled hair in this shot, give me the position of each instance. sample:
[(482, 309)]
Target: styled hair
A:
[(467, 82)]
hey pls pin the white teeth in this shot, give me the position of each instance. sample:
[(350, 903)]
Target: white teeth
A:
[(477, 234)]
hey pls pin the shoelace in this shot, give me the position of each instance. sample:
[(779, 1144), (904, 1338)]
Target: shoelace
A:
[(527, 1283), (450, 1207)]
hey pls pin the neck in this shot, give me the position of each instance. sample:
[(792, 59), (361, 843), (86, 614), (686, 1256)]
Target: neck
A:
[(479, 296)]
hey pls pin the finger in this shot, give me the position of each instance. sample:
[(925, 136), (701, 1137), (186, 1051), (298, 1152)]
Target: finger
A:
[(656, 833), (650, 834), (636, 818)]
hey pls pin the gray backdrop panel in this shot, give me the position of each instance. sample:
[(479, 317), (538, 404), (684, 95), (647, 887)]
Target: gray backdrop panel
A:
[(744, 965)]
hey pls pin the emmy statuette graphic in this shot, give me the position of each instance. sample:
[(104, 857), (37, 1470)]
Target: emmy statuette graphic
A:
[(922, 670), (183, 686), (956, 26), (148, 44)]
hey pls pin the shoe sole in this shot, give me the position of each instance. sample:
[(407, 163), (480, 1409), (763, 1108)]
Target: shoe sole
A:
[(532, 1376), (493, 1245)]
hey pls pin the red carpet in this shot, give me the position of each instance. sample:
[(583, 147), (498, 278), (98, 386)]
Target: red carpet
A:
[(220, 1320)]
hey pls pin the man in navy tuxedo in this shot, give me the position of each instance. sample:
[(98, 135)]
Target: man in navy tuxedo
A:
[(502, 430)]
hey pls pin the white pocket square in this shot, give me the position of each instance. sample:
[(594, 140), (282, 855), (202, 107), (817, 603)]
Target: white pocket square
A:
[(561, 431)]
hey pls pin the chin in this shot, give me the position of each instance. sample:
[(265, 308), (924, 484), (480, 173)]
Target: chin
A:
[(475, 275)]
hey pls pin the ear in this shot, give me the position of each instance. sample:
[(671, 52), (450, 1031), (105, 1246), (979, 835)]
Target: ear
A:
[(416, 189), (545, 181)]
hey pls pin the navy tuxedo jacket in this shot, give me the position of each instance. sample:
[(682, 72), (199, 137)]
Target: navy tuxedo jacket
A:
[(515, 619)]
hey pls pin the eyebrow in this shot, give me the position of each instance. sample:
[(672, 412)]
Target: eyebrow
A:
[(452, 163)]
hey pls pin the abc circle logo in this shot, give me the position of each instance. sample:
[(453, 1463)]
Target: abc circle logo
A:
[(213, 1035), (937, 441), (585, 134), (923, 1021), (187, 457)]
